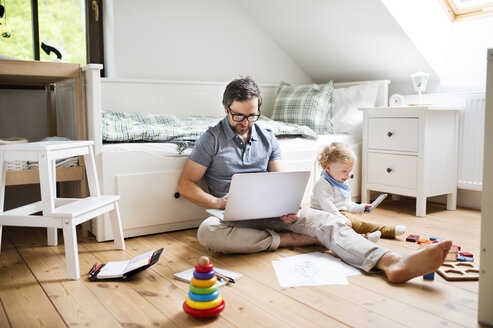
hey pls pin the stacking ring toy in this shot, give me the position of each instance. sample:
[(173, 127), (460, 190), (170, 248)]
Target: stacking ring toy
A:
[(204, 268), (203, 313), (204, 305), (204, 297), (203, 283), (204, 275), (203, 290)]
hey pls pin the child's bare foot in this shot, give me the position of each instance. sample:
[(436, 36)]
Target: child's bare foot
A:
[(400, 268), (295, 239)]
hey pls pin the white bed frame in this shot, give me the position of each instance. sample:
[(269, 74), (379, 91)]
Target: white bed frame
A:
[(147, 182)]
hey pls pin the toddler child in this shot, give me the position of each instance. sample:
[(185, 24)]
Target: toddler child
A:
[(332, 194)]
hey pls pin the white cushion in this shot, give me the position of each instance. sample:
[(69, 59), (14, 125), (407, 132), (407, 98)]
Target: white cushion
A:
[(346, 117)]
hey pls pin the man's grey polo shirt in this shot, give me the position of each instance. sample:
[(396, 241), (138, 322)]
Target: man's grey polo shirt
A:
[(223, 153)]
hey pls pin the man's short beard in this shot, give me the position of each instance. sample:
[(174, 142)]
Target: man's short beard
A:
[(235, 129)]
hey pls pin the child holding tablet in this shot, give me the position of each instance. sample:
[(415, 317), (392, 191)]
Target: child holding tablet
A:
[(332, 194)]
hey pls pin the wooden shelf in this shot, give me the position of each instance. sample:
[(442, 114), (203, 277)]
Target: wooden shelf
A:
[(22, 177), (26, 72)]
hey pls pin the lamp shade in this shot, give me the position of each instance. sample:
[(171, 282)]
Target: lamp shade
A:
[(419, 81)]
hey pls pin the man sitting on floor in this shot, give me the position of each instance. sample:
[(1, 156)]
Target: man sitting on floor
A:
[(238, 145)]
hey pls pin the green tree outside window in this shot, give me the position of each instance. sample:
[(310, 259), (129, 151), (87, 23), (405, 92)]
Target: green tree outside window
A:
[(61, 24)]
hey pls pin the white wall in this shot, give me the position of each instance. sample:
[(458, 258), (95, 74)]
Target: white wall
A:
[(456, 50), (212, 40)]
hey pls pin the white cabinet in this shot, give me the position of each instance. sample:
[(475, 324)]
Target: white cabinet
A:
[(411, 151)]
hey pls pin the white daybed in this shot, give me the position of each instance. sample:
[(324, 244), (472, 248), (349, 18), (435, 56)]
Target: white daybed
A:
[(145, 175)]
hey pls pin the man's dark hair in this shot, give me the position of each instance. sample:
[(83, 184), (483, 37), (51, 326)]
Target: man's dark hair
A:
[(241, 89)]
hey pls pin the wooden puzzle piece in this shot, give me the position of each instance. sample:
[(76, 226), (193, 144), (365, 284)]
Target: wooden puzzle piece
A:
[(412, 238), (451, 256), (459, 271)]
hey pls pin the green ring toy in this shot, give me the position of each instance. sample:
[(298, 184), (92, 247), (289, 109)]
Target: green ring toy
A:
[(203, 290)]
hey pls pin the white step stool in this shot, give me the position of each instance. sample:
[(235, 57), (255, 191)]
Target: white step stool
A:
[(59, 213)]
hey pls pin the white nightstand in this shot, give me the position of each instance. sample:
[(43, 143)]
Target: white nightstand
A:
[(411, 151)]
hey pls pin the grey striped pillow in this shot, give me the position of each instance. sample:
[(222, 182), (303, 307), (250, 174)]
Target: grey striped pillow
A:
[(305, 105)]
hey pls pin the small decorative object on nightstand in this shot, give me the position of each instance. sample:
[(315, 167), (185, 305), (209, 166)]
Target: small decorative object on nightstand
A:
[(397, 100), (411, 151), (420, 79)]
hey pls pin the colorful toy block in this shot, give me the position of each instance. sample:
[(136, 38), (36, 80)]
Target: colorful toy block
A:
[(435, 238), (412, 238), (454, 248), (429, 276), (424, 241), (466, 254)]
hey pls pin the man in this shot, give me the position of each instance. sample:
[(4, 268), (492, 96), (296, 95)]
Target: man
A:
[(237, 145)]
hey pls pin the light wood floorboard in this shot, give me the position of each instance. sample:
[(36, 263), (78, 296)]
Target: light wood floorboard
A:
[(34, 291)]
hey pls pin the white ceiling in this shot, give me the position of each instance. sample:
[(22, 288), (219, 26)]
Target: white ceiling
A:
[(343, 40)]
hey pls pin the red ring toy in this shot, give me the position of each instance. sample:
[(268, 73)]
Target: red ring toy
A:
[(204, 268), (203, 313)]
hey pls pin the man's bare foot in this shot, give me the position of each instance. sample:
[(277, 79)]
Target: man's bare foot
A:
[(295, 239), (400, 268)]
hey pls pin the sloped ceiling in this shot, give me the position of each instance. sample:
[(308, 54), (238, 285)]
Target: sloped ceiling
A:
[(342, 40)]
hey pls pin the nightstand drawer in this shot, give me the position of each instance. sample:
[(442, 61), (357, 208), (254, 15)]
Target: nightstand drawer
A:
[(399, 134), (392, 170)]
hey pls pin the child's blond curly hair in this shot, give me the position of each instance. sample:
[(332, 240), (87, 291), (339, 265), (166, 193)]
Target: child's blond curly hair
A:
[(336, 152)]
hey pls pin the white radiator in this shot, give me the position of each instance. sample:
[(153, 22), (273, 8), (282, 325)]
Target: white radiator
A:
[(471, 134)]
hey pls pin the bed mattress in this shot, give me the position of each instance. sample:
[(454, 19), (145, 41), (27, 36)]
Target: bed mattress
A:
[(286, 144)]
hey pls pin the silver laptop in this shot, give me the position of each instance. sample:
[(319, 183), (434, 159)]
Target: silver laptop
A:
[(263, 195)]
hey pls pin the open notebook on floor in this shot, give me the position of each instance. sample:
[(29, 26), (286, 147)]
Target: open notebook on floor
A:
[(263, 195)]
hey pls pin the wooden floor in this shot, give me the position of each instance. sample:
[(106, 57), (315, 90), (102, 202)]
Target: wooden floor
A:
[(34, 291)]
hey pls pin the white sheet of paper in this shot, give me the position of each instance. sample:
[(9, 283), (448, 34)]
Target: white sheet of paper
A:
[(348, 269), (312, 269)]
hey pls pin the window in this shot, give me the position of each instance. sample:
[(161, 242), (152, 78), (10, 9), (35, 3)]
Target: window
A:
[(466, 9), (58, 23)]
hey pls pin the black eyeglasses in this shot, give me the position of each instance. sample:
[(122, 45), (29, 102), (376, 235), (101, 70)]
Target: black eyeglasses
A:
[(241, 117)]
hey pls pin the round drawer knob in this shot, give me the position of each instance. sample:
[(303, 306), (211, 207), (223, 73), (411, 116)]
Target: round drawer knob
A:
[(352, 176), (390, 134), (177, 195), (389, 170)]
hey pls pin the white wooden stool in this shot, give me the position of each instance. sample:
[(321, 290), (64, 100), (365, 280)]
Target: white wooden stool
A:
[(59, 213)]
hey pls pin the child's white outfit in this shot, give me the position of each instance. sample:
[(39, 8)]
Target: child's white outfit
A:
[(337, 201)]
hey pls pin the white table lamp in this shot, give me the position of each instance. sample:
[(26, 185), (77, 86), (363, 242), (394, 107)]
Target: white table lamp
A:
[(419, 82)]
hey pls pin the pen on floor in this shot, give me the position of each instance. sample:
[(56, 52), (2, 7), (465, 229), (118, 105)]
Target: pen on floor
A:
[(96, 271), (228, 279), (92, 269)]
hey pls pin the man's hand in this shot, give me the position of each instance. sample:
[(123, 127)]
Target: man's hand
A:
[(221, 202), (290, 218)]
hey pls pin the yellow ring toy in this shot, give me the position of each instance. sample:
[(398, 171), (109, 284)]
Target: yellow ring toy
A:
[(204, 283), (204, 305)]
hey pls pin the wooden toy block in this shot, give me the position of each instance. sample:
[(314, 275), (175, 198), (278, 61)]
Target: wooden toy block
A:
[(459, 271), (454, 248), (412, 238), (451, 257), (466, 254), (435, 238), (469, 259), (429, 276), (424, 241), (461, 258)]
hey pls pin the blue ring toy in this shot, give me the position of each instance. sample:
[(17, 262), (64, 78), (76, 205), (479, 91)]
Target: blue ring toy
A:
[(204, 275), (203, 298)]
